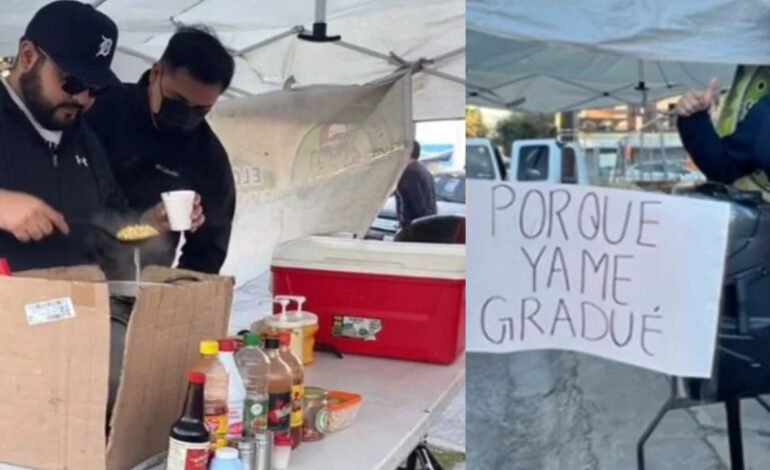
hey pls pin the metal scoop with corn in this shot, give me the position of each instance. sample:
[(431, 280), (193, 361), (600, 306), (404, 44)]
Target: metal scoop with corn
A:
[(136, 233)]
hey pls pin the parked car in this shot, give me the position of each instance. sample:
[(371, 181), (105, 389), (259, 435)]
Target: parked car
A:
[(662, 172), (483, 160), (450, 200), (549, 160)]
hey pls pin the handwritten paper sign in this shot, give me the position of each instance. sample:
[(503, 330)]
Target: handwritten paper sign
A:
[(630, 276)]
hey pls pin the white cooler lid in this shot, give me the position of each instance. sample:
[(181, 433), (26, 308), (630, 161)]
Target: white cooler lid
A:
[(427, 260)]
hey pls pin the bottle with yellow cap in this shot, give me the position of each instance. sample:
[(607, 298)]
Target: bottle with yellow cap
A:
[(214, 392)]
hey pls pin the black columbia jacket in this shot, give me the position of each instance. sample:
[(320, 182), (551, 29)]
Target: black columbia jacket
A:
[(147, 162)]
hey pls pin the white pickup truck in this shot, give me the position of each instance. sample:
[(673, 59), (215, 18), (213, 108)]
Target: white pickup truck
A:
[(552, 161)]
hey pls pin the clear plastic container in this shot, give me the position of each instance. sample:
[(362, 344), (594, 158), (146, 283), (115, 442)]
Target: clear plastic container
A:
[(274, 325), (343, 409), (316, 416), (226, 458), (307, 323)]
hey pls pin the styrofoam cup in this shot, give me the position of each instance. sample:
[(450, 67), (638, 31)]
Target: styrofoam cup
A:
[(179, 207)]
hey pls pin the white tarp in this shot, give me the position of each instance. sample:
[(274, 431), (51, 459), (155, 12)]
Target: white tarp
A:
[(429, 29), (617, 274), (568, 54), (310, 161)]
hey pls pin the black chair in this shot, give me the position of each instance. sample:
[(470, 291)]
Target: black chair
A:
[(742, 357), (449, 229)]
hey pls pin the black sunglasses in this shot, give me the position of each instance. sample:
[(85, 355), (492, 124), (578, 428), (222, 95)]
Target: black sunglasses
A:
[(73, 85)]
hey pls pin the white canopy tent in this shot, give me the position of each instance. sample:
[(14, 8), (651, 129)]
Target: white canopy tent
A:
[(378, 38), (567, 55)]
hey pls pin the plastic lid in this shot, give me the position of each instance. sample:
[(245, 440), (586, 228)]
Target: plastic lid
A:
[(282, 321), (251, 339), (227, 453), (283, 439), (292, 320), (271, 343), (284, 338), (226, 345), (198, 378), (209, 348), (315, 393)]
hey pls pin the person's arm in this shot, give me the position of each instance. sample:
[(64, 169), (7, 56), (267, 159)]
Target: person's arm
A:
[(206, 249), (729, 158)]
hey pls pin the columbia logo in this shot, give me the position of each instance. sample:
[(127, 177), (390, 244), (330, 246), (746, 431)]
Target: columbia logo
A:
[(167, 171)]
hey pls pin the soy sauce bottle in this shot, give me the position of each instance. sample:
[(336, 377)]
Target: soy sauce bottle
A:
[(189, 442)]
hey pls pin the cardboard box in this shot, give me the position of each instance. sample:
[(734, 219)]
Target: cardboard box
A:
[(53, 375)]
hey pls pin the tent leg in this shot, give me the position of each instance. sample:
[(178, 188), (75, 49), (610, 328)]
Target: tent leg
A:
[(734, 434)]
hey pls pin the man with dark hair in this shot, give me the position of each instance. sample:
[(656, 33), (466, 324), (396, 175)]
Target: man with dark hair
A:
[(158, 140), (416, 191), (55, 178)]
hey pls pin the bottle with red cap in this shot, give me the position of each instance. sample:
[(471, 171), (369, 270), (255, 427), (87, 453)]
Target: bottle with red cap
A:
[(236, 390), (189, 442)]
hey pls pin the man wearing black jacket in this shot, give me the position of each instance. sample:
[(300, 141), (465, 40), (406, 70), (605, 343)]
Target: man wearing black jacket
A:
[(54, 175), (416, 191), (724, 159), (157, 140)]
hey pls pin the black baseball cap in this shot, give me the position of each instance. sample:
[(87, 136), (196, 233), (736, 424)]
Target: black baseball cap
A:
[(78, 38)]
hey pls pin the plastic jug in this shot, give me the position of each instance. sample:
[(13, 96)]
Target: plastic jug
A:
[(273, 325), (309, 323)]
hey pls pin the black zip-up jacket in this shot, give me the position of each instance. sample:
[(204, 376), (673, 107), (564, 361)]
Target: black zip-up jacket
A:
[(725, 159), (415, 194), (75, 179), (148, 162)]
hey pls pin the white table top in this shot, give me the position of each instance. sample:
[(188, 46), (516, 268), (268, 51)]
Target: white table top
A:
[(401, 401)]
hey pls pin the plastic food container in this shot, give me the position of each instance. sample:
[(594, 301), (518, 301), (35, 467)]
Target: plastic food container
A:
[(342, 409), (301, 324), (316, 417)]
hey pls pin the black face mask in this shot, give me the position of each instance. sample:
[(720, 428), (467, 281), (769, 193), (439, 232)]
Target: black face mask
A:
[(176, 116)]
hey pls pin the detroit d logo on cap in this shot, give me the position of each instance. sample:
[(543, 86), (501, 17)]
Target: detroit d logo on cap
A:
[(105, 47)]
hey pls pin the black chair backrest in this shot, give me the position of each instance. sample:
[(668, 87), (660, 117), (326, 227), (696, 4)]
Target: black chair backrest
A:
[(448, 229)]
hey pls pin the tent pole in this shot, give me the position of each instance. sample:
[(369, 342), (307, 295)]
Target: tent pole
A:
[(443, 75), (293, 31), (448, 55), (366, 51), (319, 26), (320, 11), (393, 59)]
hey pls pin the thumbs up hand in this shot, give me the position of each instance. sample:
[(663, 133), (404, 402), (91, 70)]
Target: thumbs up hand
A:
[(697, 101)]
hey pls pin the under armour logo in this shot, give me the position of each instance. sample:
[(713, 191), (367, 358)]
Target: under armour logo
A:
[(105, 47), (81, 160)]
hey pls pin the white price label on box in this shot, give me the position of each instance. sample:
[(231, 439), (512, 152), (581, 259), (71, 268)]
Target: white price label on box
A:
[(50, 311)]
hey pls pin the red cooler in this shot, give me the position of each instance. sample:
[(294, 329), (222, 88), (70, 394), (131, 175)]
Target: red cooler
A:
[(388, 299)]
